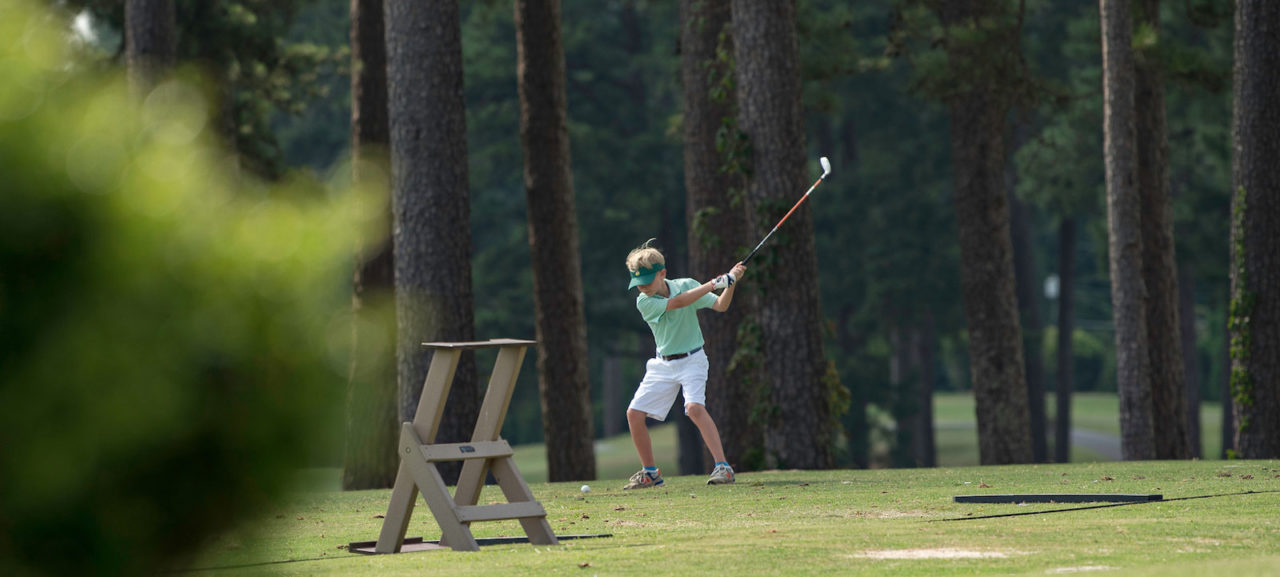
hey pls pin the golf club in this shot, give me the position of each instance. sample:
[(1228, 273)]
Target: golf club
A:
[(826, 169)]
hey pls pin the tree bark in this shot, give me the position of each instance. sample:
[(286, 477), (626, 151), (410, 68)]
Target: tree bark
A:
[(1228, 426), (1159, 263), (1124, 233), (431, 204), (800, 429), (613, 402), (978, 109), (1066, 342), (150, 37), (369, 459), (925, 448), (911, 374), (1028, 291), (1255, 231), (553, 243), (716, 222), (1190, 359)]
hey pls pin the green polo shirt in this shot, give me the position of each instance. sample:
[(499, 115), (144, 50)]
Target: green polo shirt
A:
[(674, 331)]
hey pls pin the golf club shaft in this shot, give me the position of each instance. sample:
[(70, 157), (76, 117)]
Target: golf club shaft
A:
[(784, 219)]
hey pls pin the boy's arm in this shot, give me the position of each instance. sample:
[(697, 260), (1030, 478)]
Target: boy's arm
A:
[(726, 297), (690, 296)]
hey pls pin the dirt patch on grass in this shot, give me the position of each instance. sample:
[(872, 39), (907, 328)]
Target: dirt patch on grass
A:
[(1080, 569), (941, 553)]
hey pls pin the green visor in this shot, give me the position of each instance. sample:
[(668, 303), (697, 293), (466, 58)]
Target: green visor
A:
[(644, 276)]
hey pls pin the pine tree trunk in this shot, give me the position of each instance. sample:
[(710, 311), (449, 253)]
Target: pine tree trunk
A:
[(1159, 268), (150, 36), (716, 222), (1228, 426), (1033, 325), (978, 110), (553, 243), (372, 429), (1190, 359), (431, 204), (924, 448), (1255, 231), (857, 428), (1066, 343), (800, 432), (1124, 233), (614, 408)]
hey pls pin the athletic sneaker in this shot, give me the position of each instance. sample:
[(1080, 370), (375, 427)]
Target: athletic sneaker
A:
[(721, 475), (644, 480)]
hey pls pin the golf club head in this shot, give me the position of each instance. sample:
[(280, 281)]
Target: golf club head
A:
[(826, 166)]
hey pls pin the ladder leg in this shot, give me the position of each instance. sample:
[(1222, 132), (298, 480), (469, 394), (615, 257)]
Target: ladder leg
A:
[(396, 521), (453, 531), (513, 486)]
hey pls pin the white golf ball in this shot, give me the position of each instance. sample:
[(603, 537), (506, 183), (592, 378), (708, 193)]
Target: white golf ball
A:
[(586, 488)]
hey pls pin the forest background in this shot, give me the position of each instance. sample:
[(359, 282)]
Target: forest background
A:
[(884, 224)]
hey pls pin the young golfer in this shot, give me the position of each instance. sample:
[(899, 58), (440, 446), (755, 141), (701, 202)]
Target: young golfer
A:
[(670, 307)]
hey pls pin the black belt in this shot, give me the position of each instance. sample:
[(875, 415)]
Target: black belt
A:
[(679, 356)]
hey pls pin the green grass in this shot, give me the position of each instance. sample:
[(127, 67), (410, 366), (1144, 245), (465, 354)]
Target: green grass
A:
[(956, 437), (848, 522), (615, 456)]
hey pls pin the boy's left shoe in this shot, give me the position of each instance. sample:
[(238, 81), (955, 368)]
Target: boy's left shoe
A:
[(721, 475)]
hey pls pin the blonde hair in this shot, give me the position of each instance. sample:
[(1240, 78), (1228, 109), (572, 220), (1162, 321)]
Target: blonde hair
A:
[(644, 256)]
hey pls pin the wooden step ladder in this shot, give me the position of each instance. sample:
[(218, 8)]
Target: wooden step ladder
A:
[(486, 453)]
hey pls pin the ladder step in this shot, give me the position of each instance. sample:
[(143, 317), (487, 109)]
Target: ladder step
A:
[(466, 451), (521, 510)]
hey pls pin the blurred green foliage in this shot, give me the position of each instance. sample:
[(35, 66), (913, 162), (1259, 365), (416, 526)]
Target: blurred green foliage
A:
[(264, 73), (172, 338)]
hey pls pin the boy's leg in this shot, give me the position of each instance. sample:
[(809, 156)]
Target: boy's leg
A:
[(707, 426), (653, 398), (640, 436)]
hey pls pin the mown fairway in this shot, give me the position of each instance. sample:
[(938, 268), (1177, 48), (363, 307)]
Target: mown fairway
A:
[(1219, 518)]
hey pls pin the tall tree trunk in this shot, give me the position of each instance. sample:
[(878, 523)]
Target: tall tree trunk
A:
[(150, 38), (612, 385), (1190, 359), (1125, 233), (1028, 291), (911, 377), (800, 432), (369, 458), (924, 448), (1159, 264), (978, 110), (1228, 427), (553, 242), (716, 221), (857, 428), (1255, 231), (902, 407), (1066, 342), (431, 204)]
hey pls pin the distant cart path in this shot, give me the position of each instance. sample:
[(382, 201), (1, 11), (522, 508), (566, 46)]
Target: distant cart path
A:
[(1103, 444)]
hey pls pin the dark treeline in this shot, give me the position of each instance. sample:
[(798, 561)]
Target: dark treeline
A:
[(883, 84)]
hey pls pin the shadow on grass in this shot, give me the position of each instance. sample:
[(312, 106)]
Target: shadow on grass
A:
[(1107, 506), (484, 543)]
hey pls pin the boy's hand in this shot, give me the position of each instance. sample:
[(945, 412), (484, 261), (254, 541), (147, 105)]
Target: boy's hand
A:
[(737, 272), (723, 281)]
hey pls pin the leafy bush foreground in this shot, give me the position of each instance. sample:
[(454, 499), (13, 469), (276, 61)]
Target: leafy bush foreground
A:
[(172, 337)]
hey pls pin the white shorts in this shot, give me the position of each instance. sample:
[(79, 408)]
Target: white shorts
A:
[(663, 379)]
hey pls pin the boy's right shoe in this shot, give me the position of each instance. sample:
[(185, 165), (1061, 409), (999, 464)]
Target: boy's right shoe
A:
[(644, 480), (721, 475)]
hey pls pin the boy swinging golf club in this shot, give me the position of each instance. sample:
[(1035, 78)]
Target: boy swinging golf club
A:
[(670, 308)]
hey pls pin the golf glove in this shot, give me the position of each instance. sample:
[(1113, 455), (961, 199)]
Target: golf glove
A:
[(723, 281)]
